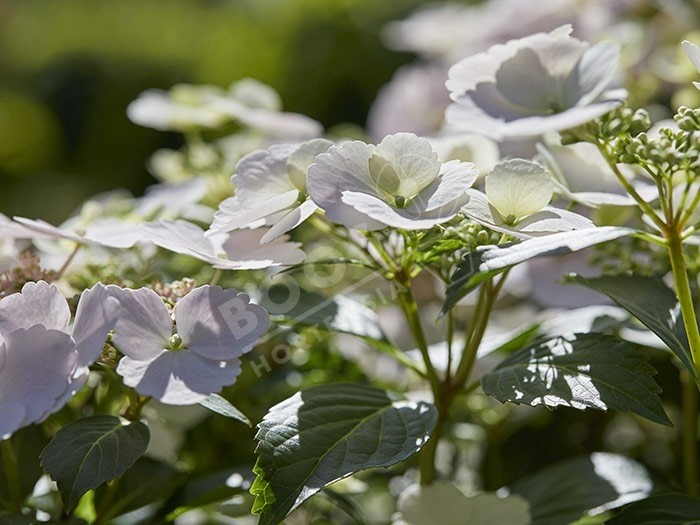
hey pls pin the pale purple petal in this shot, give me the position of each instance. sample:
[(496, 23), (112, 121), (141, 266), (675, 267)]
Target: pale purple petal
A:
[(97, 314), (113, 233), (38, 303), (290, 221), (11, 416), (178, 377), (181, 237), (36, 370), (144, 326), (219, 324), (38, 229)]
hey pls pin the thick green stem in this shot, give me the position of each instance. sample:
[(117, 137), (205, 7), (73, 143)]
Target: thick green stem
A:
[(689, 428), (12, 475), (685, 298)]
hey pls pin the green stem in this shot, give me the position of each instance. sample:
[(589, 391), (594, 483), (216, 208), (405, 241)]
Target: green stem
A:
[(216, 277), (12, 475), (689, 428), (685, 298), (101, 515), (69, 260)]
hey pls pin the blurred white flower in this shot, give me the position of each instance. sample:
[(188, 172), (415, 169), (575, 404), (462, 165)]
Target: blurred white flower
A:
[(516, 202), (108, 231), (181, 361), (399, 183), (466, 147), (172, 200), (527, 87), (41, 365), (271, 188), (693, 53), (237, 250)]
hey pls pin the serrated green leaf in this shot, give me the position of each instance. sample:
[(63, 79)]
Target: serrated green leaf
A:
[(489, 261), (563, 492), (664, 509), (92, 451), (650, 301), (148, 481), (325, 433), (580, 371), (221, 406)]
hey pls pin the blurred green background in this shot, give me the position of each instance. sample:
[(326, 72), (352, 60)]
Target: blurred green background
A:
[(69, 68)]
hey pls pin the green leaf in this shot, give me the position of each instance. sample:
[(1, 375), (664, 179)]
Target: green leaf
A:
[(92, 451), (221, 406), (580, 371), (292, 305), (444, 503), (26, 444), (650, 301), (325, 433), (148, 481), (664, 509), (489, 261), (563, 492)]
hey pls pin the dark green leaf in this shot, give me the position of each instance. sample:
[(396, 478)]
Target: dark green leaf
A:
[(221, 406), (580, 371), (345, 504), (488, 261), (27, 444), (147, 481), (92, 451), (664, 509), (563, 492), (650, 301), (327, 432)]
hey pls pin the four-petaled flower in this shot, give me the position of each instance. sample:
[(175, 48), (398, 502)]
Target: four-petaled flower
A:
[(184, 359), (399, 183)]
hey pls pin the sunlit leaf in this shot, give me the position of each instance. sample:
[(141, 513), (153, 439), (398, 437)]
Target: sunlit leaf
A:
[(325, 433), (589, 485), (221, 406), (580, 371)]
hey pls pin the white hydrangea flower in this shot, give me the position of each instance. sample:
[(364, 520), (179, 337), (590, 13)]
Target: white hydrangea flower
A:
[(109, 232), (527, 87), (516, 202), (271, 190), (693, 53), (42, 365), (183, 108), (183, 360), (398, 183), (237, 250)]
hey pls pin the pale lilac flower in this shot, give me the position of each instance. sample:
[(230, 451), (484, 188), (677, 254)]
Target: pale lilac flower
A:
[(42, 365), (237, 250), (271, 190), (183, 360), (516, 202), (527, 87), (693, 53), (399, 183)]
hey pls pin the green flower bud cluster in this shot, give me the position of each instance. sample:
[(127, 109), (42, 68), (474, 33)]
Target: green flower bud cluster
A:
[(630, 255), (669, 152), (472, 234), (618, 122), (688, 119)]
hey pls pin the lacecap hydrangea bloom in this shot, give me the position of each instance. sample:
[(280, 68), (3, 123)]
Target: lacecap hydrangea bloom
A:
[(271, 188), (399, 183), (527, 87), (183, 359), (516, 201), (43, 363)]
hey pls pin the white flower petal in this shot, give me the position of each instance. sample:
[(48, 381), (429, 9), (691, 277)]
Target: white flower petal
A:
[(262, 174), (454, 180), (245, 251), (343, 168), (178, 378), (290, 221), (518, 188), (404, 163), (594, 72), (38, 303), (38, 229), (692, 51), (219, 324), (157, 109), (180, 237), (144, 325), (36, 370), (304, 156), (96, 315), (113, 233), (234, 214)]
